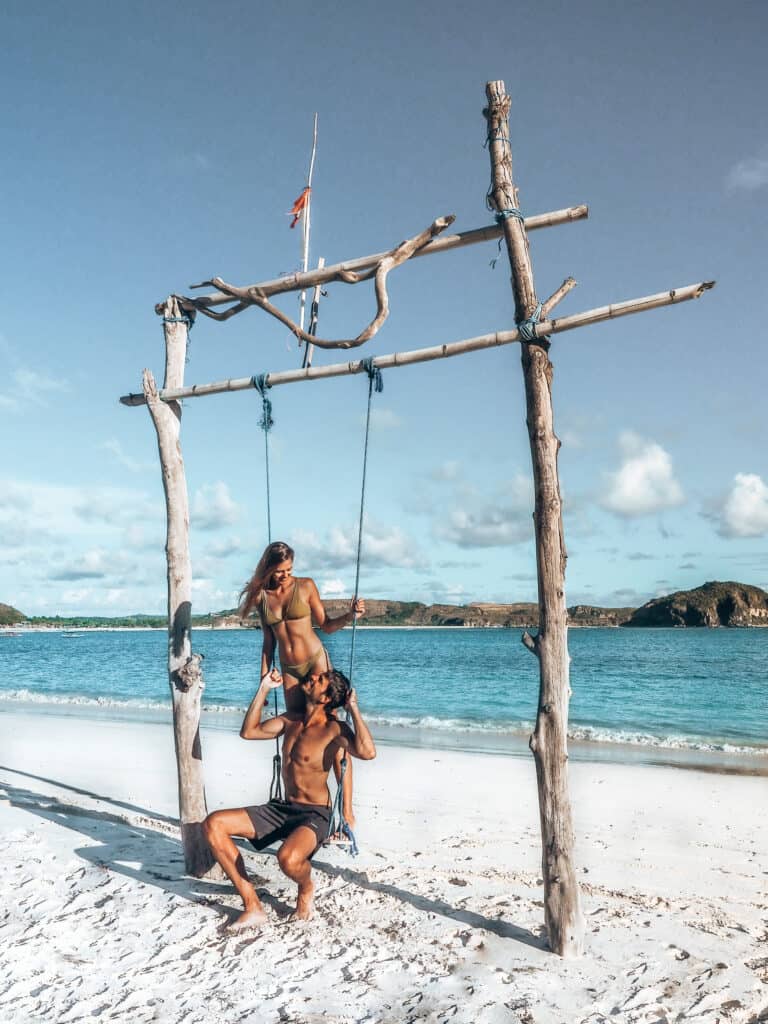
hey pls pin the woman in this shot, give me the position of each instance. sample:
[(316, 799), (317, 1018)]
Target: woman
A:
[(288, 607)]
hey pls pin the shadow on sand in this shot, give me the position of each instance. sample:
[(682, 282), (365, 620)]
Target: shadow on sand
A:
[(153, 855)]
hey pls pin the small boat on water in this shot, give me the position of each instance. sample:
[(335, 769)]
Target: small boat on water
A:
[(9, 632), (67, 634)]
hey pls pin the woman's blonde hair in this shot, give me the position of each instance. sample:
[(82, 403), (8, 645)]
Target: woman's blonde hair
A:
[(250, 595)]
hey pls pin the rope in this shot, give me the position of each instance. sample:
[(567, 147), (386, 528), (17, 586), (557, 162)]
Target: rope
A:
[(276, 785), (185, 318), (266, 423), (511, 212), (375, 383), (338, 825), (259, 381), (527, 327)]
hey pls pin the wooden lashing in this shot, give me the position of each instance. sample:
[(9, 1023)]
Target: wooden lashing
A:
[(562, 906)]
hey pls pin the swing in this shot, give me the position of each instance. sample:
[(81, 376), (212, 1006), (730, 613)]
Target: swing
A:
[(339, 830)]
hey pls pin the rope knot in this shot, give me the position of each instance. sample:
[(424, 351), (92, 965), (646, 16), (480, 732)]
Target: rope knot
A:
[(511, 212), (186, 318), (527, 326), (259, 381), (374, 375)]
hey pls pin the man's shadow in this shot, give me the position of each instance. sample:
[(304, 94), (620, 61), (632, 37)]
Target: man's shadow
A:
[(122, 844)]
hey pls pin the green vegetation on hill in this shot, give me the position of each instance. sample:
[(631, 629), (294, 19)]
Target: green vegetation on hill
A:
[(9, 615)]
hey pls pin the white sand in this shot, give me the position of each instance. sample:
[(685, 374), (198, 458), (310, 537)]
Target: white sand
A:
[(439, 919)]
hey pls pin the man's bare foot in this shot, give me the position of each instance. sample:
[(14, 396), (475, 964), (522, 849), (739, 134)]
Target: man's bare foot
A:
[(252, 917), (305, 907)]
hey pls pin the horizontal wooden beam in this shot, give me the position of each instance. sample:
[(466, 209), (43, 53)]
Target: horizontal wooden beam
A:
[(423, 355), (308, 279)]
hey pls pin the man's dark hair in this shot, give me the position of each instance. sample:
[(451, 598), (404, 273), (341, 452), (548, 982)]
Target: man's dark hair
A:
[(338, 689)]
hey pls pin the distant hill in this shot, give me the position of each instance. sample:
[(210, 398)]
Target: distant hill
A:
[(475, 615), (10, 616), (713, 604)]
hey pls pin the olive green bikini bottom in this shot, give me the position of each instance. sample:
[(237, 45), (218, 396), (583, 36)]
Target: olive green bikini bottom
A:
[(300, 670)]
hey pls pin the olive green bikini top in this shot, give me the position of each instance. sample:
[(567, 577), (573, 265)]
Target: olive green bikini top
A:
[(296, 609)]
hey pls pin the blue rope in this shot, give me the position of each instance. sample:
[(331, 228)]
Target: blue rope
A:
[(259, 381), (527, 327), (512, 212), (338, 823), (186, 319), (375, 383)]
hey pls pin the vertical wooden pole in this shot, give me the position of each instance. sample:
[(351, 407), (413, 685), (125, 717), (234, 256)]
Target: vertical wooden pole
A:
[(184, 672), (562, 910)]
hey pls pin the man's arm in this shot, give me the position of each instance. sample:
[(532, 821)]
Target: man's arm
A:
[(321, 620), (360, 742), (253, 728)]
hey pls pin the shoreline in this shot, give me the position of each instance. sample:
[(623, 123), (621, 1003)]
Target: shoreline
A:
[(503, 744)]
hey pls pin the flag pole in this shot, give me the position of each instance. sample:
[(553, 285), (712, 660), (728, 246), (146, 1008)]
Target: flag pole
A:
[(306, 225)]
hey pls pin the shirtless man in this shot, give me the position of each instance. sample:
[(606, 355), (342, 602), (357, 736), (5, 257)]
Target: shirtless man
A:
[(311, 740)]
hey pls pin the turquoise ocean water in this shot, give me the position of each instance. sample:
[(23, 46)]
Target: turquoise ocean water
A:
[(690, 692)]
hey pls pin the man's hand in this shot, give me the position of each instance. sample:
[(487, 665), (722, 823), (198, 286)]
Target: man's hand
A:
[(357, 607), (351, 702), (272, 680)]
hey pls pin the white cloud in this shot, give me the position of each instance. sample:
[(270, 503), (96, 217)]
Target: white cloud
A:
[(213, 507), (333, 588), (125, 460), (744, 512), (482, 524), (224, 548), (645, 482), (383, 545), (385, 419), (748, 175), (448, 470), (28, 387)]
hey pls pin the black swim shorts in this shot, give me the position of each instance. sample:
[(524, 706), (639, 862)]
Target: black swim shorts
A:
[(278, 819)]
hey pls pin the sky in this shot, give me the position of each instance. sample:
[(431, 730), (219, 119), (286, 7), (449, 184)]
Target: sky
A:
[(151, 145)]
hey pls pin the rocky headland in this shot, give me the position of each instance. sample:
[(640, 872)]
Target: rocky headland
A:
[(713, 604)]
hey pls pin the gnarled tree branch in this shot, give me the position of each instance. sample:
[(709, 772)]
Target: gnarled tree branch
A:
[(253, 296)]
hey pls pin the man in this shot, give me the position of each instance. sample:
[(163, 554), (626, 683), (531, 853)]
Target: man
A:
[(310, 742)]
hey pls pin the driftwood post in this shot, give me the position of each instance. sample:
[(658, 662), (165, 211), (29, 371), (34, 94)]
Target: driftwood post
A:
[(184, 672), (562, 911)]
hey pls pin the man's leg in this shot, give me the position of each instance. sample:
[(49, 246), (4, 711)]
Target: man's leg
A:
[(293, 857), (346, 795), (219, 828)]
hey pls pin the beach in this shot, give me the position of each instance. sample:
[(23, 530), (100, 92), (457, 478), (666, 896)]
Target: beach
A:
[(439, 918)]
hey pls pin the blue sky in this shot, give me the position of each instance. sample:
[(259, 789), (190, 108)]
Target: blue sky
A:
[(148, 146)]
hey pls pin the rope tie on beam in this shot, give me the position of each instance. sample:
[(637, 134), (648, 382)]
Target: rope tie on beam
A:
[(259, 381), (495, 136), (185, 318), (512, 212), (527, 326)]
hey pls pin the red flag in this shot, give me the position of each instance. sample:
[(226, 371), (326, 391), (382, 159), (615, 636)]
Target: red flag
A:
[(298, 207)]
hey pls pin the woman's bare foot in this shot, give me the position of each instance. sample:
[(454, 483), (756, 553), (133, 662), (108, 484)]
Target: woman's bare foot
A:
[(251, 917), (305, 907)]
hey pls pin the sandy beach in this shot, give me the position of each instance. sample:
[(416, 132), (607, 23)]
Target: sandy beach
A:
[(438, 919)]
